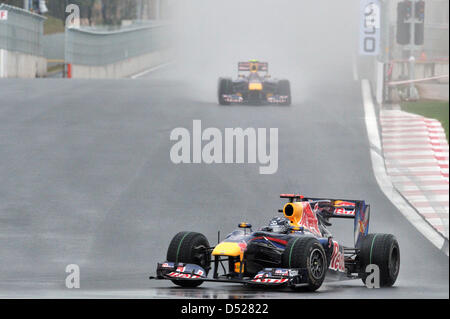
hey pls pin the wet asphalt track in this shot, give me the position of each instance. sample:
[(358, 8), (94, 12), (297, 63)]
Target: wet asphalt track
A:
[(86, 179)]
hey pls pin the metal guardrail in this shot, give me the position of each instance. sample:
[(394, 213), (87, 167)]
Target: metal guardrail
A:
[(22, 31), (87, 46), (394, 83)]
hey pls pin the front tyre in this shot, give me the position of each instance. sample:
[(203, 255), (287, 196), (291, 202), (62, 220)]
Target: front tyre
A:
[(307, 253), (224, 87), (284, 88), (189, 248), (382, 250)]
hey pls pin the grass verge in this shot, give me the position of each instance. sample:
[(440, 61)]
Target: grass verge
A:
[(432, 109), (53, 25)]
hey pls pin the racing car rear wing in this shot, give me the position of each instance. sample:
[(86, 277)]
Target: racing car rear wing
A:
[(340, 208), (247, 66)]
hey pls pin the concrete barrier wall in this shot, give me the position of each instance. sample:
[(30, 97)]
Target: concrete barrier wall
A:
[(434, 91), (21, 65), (95, 53), (121, 69)]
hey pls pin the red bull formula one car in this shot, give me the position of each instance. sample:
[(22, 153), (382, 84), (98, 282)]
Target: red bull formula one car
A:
[(253, 87), (296, 250)]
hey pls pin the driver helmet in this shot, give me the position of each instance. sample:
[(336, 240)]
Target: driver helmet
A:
[(279, 224)]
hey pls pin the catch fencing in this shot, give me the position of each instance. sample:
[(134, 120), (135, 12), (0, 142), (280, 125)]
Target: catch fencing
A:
[(21, 31), (93, 47)]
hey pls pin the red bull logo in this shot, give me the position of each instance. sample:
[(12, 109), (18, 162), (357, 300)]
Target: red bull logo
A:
[(337, 258), (309, 220), (343, 203)]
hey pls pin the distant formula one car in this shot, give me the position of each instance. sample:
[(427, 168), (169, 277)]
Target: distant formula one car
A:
[(253, 88), (295, 250)]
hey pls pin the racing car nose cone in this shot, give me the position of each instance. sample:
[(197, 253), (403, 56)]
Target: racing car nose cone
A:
[(227, 249), (257, 86)]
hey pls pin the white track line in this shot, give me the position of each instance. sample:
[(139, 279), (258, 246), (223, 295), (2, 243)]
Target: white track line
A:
[(156, 68), (385, 182), (355, 68)]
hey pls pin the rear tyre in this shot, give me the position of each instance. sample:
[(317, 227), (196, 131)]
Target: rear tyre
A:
[(225, 87), (189, 248), (307, 252), (382, 250), (284, 88)]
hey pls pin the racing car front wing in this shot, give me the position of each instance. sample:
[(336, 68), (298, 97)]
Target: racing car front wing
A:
[(274, 277), (237, 99)]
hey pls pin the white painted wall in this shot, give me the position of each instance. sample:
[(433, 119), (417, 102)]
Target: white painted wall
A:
[(122, 69), (21, 65)]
